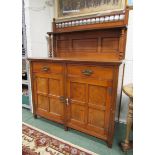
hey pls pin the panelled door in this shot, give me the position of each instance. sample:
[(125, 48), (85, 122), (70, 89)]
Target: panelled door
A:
[(77, 111), (48, 88), (89, 98), (98, 105)]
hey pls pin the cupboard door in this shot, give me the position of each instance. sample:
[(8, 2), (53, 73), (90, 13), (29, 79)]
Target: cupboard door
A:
[(48, 88), (99, 100), (41, 93), (89, 105)]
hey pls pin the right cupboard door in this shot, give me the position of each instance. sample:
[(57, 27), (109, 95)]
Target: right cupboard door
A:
[(89, 102), (98, 106)]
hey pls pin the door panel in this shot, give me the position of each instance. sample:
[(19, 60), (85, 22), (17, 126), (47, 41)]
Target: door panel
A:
[(76, 93), (56, 108), (42, 93), (97, 96), (96, 118), (48, 89), (42, 85), (43, 103), (77, 113), (54, 87), (55, 91), (99, 100)]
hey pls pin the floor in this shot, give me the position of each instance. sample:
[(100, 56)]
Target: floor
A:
[(83, 140)]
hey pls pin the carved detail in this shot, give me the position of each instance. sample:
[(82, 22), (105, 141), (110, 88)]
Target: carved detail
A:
[(121, 43), (50, 44), (119, 16)]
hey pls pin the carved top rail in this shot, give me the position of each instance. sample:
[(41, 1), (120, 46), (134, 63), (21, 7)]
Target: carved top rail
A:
[(112, 20)]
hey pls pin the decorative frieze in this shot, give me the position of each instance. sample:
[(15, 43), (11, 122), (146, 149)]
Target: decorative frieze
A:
[(97, 20)]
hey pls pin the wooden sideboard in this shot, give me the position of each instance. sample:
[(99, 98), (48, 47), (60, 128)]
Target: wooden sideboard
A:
[(80, 94), (77, 85)]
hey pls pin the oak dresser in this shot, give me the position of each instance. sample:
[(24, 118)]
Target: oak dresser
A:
[(77, 85)]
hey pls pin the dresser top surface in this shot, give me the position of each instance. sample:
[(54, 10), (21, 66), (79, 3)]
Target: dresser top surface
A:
[(73, 60)]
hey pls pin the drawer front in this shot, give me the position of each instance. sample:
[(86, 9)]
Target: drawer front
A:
[(46, 67), (90, 71)]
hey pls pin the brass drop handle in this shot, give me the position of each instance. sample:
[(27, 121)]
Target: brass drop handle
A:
[(64, 100), (45, 68), (67, 101), (87, 72)]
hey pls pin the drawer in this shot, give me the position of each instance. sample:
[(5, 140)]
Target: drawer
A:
[(46, 67), (90, 71)]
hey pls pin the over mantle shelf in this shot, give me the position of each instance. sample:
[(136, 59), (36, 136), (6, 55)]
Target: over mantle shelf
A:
[(114, 20)]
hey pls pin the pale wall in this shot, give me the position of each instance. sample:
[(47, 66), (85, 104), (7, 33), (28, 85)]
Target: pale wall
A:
[(38, 20)]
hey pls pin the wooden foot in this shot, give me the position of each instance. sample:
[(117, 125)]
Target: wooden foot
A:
[(65, 128), (35, 116), (109, 144), (126, 146)]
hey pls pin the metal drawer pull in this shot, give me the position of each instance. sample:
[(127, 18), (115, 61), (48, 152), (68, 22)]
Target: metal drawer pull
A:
[(87, 72), (64, 100), (67, 101), (45, 68)]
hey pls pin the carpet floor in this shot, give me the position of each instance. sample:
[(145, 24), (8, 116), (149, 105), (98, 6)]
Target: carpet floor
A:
[(38, 142), (77, 138)]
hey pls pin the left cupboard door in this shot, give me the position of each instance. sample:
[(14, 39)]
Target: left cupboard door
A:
[(48, 88)]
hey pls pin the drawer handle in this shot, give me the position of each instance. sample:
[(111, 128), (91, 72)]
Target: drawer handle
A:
[(87, 72), (45, 68), (64, 100)]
